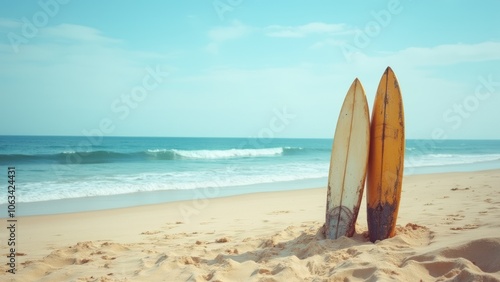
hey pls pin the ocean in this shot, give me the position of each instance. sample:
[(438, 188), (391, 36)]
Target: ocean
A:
[(57, 174)]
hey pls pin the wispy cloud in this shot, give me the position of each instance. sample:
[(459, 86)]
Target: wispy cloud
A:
[(72, 40), (77, 33), (329, 42), (74, 52), (317, 28), (440, 55), (220, 34), (233, 31), (325, 34), (237, 30), (21, 38), (8, 23), (450, 54)]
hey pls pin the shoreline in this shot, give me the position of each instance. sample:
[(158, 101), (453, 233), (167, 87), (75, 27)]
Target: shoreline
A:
[(146, 198), (296, 187), (106, 202)]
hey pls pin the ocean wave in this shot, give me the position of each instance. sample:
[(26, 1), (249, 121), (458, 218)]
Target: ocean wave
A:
[(68, 157), (172, 154), (231, 153), (435, 160), (93, 157)]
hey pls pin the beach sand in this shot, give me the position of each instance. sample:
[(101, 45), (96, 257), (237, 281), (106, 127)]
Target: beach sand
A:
[(448, 230)]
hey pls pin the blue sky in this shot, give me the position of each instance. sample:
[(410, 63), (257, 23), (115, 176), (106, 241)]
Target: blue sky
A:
[(244, 68)]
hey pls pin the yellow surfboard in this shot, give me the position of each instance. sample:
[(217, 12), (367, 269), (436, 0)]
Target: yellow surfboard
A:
[(386, 161), (346, 179)]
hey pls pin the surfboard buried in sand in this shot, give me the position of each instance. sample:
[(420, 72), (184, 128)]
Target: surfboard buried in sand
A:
[(348, 163), (386, 162)]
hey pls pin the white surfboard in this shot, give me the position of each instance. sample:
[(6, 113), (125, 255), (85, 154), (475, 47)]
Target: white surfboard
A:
[(348, 164)]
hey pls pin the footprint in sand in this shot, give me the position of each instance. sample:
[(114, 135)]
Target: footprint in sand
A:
[(178, 235), (452, 218), (460, 189), (170, 225), (222, 240), (26, 263), (455, 217), (278, 212), (466, 227), (105, 257), (151, 232)]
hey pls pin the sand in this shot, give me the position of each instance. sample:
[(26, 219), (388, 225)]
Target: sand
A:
[(448, 230)]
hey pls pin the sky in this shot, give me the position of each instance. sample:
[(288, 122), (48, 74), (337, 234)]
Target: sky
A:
[(244, 68)]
